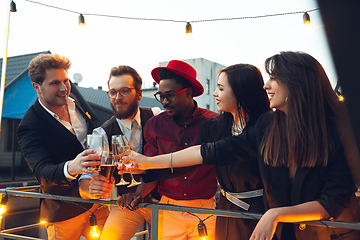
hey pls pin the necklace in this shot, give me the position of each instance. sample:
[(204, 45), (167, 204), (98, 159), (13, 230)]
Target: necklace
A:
[(236, 130)]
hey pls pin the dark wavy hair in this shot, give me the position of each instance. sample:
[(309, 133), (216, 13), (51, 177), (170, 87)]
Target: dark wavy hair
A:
[(300, 137), (43, 62)]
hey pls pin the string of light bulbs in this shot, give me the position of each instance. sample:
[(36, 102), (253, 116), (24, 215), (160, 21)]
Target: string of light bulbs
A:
[(81, 18)]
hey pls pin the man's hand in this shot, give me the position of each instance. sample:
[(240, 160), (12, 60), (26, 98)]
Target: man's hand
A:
[(129, 200), (100, 186), (83, 160)]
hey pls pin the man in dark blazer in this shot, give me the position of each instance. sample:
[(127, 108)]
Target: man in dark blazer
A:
[(124, 93), (51, 136)]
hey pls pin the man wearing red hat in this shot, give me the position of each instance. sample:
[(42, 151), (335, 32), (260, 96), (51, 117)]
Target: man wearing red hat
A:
[(177, 128)]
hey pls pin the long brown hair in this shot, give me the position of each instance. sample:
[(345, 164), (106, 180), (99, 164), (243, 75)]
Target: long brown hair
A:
[(300, 138)]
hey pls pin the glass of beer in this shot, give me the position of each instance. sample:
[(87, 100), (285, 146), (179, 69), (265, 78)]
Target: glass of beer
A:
[(107, 167), (95, 142), (107, 164)]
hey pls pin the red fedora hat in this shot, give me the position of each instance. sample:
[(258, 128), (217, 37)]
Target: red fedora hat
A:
[(183, 69)]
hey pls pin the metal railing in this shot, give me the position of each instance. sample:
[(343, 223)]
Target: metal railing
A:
[(156, 209)]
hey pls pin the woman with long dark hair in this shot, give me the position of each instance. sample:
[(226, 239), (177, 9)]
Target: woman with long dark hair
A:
[(239, 111), (301, 156)]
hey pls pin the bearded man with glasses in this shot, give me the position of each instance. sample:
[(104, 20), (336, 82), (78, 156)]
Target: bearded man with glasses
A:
[(124, 93), (177, 128)]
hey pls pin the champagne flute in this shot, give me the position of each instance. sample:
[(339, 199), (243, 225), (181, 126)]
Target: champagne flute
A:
[(126, 151), (117, 148), (95, 142)]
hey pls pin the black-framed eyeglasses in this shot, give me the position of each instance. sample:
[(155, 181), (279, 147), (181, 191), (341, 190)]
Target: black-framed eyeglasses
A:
[(170, 96), (123, 91)]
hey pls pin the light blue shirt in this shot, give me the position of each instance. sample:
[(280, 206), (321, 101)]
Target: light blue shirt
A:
[(125, 126)]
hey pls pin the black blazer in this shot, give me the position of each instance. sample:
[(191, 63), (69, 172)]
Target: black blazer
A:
[(46, 145), (240, 176), (331, 186), (111, 127)]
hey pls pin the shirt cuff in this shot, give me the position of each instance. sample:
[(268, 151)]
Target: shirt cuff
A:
[(85, 176), (67, 174)]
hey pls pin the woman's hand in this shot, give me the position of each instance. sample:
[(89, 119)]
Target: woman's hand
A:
[(266, 226), (139, 162), (308, 211)]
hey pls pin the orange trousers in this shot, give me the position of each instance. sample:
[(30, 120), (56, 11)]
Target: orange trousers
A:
[(184, 226)]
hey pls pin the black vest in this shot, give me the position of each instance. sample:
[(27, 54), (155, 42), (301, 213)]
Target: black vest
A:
[(111, 127)]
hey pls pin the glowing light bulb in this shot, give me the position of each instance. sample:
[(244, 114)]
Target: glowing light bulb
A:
[(2, 210), (81, 19), (306, 18), (188, 27), (341, 98), (202, 230), (43, 222), (94, 232), (308, 28), (12, 6), (4, 201)]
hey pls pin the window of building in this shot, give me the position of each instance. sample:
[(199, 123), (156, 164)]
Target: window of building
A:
[(207, 86), (13, 166)]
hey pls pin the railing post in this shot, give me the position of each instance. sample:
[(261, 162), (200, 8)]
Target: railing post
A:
[(156, 219), (160, 224)]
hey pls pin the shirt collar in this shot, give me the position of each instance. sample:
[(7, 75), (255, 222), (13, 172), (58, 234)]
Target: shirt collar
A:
[(70, 103), (128, 122)]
